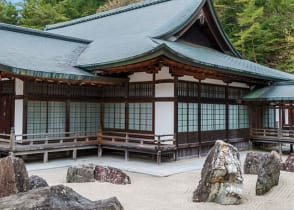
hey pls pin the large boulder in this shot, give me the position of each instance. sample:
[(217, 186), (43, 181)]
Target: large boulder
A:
[(111, 175), (57, 197), (80, 174), (37, 182), (268, 172), (221, 176), (252, 162), (289, 164), (13, 176)]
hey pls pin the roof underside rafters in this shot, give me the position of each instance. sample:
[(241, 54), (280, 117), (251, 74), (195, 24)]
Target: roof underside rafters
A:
[(179, 69), (62, 79)]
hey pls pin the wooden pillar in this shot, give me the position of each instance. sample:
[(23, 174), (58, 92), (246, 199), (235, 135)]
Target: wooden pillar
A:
[(158, 157), (176, 88), (12, 139), (45, 157), (99, 151), (199, 120), (227, 112), (74, 154), (126, 155), (280, 127)]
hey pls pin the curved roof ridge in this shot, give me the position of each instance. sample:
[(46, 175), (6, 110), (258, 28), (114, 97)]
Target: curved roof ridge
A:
[(36, 32), (127, 8)]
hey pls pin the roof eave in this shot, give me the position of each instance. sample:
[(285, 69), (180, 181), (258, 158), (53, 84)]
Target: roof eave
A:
[(164, 50), (59, 76)]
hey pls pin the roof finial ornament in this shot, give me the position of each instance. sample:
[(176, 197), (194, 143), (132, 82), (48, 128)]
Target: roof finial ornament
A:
[(201, 17)]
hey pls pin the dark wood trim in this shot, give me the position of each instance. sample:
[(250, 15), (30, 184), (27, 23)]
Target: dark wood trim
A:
[(199, 120), (67, 115), (163, 99), (153, 103), (227, 112), (25, 114), (18, 97), (161, 81), (176, 83)]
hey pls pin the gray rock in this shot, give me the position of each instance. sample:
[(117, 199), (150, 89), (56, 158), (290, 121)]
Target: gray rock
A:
[(252, 162), (37, 182), (13, 176), (111, 175), (58, 198), (268, 172), (221, 176), (289, 163), (80, 174)]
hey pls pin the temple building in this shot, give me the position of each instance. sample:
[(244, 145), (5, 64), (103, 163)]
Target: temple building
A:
[(158, 77)]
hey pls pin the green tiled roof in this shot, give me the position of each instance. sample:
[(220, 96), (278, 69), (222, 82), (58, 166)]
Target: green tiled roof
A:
[(280, 91), (36, 53), (142, 31)]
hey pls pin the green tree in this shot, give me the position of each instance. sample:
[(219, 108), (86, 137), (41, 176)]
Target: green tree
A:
[(262, 30), (112, 4), (8, 13), (38, 13)]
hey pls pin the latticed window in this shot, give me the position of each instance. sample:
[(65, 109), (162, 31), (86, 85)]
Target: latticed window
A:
[(187, 117), (238, 117), (46, 117), (233, 117), (56, 117), (37, 117), (236, 93), (213, 117), (269, 118), (114, 91), (243, 117), (140, 89), (7, 87), (213, 91), (188, 89), (140, 116), (84, 118), (114, 115)]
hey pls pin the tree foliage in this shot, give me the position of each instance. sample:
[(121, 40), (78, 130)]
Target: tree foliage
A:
[(262, 30), (112, 4), (8, 13)]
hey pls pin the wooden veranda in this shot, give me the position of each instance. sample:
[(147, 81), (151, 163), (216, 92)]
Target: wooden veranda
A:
[(45, 143), (273, 123), (272, 114)]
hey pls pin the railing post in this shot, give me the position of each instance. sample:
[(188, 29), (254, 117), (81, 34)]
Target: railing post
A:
[(12, 139), (99, 139), (127, 137), (99, 136), (158, 151), (158, 142)]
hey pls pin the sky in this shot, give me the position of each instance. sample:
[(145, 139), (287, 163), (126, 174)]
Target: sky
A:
[(15, 1)]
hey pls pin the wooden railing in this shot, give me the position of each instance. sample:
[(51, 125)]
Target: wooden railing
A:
[(279, 135), (136, 138), (25, 144), (137, 142)]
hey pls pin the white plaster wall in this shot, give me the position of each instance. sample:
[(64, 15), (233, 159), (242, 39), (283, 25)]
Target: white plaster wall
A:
[(164, 118), (188, 78), (239, 84), (18, 116), (141, 77), (213, 81), (18, 87), (164, 90), (286, 116), (163, 74)]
